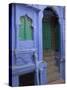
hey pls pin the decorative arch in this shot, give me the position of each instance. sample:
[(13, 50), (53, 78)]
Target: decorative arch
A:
[(51, 29), (54, 12)]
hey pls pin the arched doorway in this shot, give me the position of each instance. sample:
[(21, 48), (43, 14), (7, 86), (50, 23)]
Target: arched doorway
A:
[(51, 42)]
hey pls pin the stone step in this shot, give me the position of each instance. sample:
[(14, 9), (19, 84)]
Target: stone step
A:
[(57, 82), (51, 65), (53, 76), (52, 62), (51, 70), (49, 58)]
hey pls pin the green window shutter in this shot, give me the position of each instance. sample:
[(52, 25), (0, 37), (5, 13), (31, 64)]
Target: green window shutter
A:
[(28, 28), (21, 33), (25, 28), (22, 28)]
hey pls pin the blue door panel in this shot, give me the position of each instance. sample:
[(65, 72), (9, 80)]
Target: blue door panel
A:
[(24, 58)]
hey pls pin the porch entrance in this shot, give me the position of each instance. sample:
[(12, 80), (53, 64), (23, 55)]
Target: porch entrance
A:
[(51, 43)]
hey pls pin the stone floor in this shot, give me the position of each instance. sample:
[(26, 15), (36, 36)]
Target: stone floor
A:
[(57, 82), (52, 69)]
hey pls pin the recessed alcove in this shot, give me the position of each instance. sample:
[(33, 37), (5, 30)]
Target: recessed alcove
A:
[(27, 79)]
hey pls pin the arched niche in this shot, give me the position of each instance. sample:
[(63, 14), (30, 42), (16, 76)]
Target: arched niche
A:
[(56, 12), (51, 30)]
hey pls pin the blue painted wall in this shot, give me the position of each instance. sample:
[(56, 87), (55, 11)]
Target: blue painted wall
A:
[(35, 12)]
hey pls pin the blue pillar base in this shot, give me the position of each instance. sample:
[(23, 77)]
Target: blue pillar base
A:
[(15, 80), (62, 69), (43, 73)]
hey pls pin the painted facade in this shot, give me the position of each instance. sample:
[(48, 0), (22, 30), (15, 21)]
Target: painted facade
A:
[(26, 49)]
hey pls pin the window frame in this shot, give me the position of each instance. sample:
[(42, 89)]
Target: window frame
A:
[(25, 35)]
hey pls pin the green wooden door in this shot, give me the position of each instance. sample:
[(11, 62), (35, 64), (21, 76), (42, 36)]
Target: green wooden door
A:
[(51, 35), (46, 35)]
